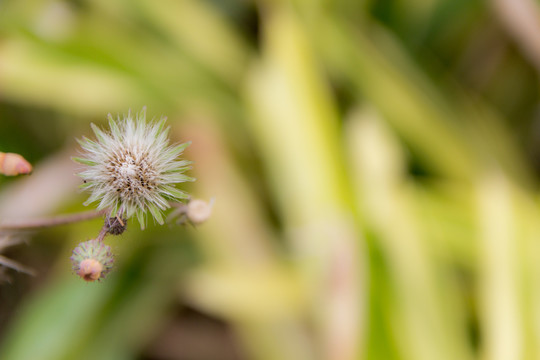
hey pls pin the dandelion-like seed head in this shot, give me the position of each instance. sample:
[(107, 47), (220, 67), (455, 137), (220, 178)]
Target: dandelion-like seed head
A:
[(132, 169)]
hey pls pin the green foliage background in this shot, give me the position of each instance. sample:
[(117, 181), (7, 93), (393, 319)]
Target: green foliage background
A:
[(374, 165)]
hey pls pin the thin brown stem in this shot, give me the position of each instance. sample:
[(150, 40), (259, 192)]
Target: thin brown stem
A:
[(32, 224), (104, 231), (4, 261)]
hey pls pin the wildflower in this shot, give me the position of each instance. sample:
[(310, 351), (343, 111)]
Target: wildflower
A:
[(92, 260), (198, 211), (195, 212), (132, 169)]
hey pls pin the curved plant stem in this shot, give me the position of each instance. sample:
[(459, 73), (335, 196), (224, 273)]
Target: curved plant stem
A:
[(103, 232), (41, 223)]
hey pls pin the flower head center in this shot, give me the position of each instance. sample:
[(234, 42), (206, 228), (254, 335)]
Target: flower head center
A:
[(128, 170), (131, 176)]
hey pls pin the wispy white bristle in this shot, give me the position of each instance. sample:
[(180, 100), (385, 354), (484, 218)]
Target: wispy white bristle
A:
[(132, 169)]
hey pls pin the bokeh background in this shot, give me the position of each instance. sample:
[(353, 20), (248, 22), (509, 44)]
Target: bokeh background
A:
[(374, 166)]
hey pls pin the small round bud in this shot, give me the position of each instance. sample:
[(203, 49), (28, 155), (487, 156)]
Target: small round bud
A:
[(90, 270), (115, 225), (14, 164), (92, 260), (198, 211)]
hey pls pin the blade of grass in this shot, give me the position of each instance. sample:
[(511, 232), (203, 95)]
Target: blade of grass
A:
[(297, 129)]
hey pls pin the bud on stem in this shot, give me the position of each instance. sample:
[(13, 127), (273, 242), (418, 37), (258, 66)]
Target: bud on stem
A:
[(92, 260)]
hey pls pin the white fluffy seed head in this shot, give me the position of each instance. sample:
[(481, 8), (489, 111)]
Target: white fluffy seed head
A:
[(132, 169)]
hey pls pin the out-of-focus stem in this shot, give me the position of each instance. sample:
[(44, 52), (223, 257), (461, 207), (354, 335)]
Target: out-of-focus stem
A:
[(521, 18), (40, 223), (16, 266)]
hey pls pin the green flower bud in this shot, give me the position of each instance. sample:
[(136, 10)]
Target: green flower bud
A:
[(92, 260)]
